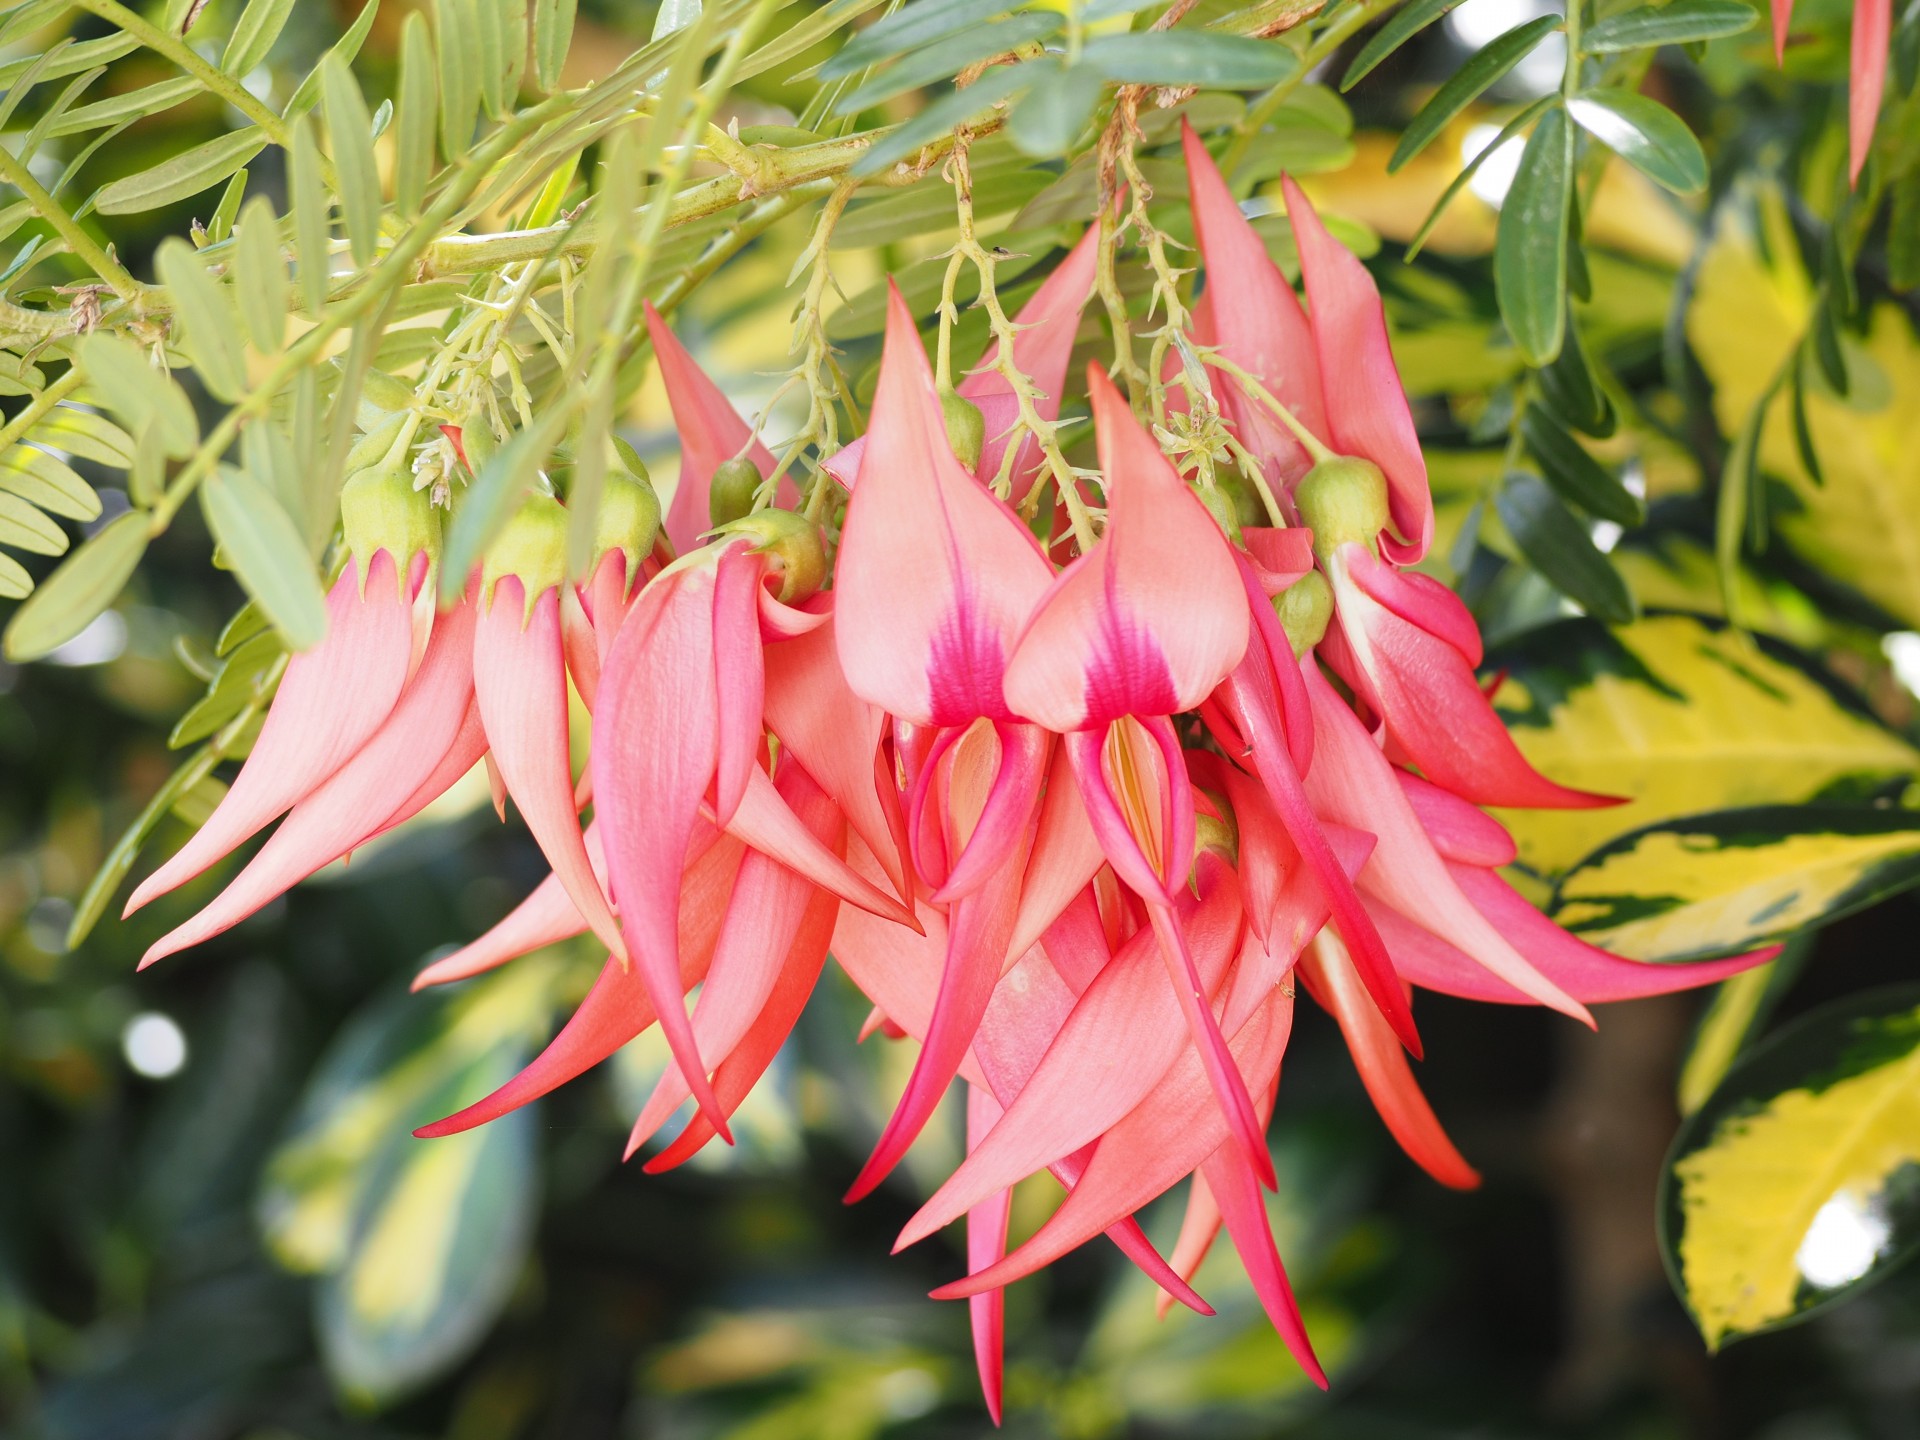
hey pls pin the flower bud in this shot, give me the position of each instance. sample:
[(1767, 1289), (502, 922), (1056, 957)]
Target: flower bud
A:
[(1220, 505), (380, 510), (1344, 500), (966, 427), (793, 543), (628, 520), (1218, 834), (731, 493), (1305, 609), (532, 547)]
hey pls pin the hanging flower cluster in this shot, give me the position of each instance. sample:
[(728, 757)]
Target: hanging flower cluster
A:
[(1080, 829)]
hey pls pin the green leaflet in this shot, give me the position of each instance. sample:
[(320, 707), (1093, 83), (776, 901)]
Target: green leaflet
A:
[(350, 134), (1737, 879), (1683, 715), (1681, 23), (1404, 24), (1530, 250), (71, 598), (1644, 133), (260, 276), (948, 58), (1557, 544), (265, 548), (1578, 477), (1465, 85), (48, 482), (141, 394), (253, 35), (1788, 1191), (1179, 57), (180, 176), (204, 314)]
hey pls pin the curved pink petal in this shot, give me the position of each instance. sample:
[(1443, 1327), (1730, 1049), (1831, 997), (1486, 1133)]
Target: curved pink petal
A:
[(1351, 782), (935, 576), (654, 751), (1782, 23), (1367, 413), (836, 735), (1164, 1137), (1235, 1189), (1872, 41), (1459, 830), (742, 1069), (1065, 855), (1434, 708), (711, 431), (1113, 1047), (546, 917), (1333, 982), (357, 798), (1199, 1228), (617, 1008), (1258, 323), (330, 702), (764, 915), (520, 682), (1149, 620), (1419, 600), (739, 675), (768, 824), (986, 1244)]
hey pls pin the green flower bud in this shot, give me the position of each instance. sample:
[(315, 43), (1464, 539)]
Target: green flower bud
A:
[(1219, 835), (628, 520), (380, 510), (966, 427), (731, 494), (532, 547), (795, 545), (1221, 506), (1305, 609), (1345, 501), (1248, 507)]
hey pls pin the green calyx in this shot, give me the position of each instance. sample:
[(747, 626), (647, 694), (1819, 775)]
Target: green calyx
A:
[(380, 510), (1225, 512), (1344, 500), (731, 493), (1305, 609), (531, 547), (628, 520), (793, 542), (1222, 836), (966, 427)]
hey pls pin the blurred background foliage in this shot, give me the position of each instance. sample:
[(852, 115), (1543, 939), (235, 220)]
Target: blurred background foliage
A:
[(213, 1220)]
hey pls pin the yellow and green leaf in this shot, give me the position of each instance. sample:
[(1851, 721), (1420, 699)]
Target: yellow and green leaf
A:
[(1681, 715), (1722, 883), (1792, 1187), (1751, 304)]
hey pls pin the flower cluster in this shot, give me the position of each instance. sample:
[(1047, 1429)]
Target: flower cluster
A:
[(1079, 829)]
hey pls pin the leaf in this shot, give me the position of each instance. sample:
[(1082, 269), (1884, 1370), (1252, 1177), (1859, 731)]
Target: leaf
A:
[(25, 528), (139, 393), (260, 275), (1405, 23), (311, 229), (85, 434), (956, 108), (1740, 1007), (1050, 117), (182, 175), (552, 37), (459, 75), (1568, 384), (344, 50), (267, 552), (1557, 545), (119, 862), (1861, 527), (253, 35), (1486, 152), (1734, 880), (350, 134), (1682, 716), (1530, 251), (418, 1243), (221, 225), (1681, 23), (416, 113), (50, 483), (923, 23), (1580, 479), (203, 312), (492, 499), (1464, 86), (15, 582), (1791, 1189), (948, 58), (70, 599), (139, 104), (1177, 57), (1644, 133)]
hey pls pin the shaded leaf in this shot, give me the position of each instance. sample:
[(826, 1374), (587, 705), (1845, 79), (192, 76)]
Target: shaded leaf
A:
[(922, 23), (1177, 57), (1465, 85), (941, 117), (1680, 23), (182, 175), (1401, 27), (1530, 251), (552, 35), (1557, 545), (1580, 479), (948, 58), (253, 35), (260, 276)]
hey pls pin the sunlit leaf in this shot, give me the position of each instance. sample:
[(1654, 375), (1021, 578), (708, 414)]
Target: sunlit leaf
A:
[(24, 528), (49, 482), (350, 135), (253, 35), (1680, 23), (1681, 716), (182, 175), (202, 311), (1181, 57), (261, 542), (1734, 880), (1793, 1187), (140, 393), (1644, 133)]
